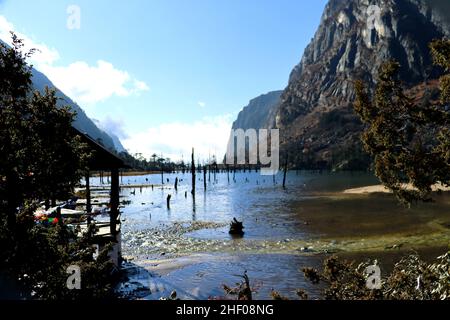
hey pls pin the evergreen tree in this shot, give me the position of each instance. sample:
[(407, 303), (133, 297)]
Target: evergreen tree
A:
[(40, 157), (410, 142)]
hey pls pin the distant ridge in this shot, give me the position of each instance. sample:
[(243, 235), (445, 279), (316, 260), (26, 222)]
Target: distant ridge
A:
[(259, 113)]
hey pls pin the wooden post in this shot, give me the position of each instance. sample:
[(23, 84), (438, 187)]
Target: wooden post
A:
[(114, 213), (88, 194), (193, 173), (228, 174), (204, 177), (168, 201), (285, 171), (176, 184), (162, 173)]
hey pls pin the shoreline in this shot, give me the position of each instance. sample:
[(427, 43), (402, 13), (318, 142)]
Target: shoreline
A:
[(128, 173), (382, 189)]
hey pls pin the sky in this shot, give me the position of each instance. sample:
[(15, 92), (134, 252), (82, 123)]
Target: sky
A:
[(165, 75)]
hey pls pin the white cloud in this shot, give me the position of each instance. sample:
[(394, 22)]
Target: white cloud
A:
[(90, 84), (83, 83), (44, 55), (114, 126), (201, 104), (208, 136), (140, 86)]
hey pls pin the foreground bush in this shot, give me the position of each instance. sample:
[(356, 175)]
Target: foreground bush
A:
[(411, 279), (35, 258)]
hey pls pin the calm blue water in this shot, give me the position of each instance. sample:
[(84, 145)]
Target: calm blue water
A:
[(263, 204), (311, 207)]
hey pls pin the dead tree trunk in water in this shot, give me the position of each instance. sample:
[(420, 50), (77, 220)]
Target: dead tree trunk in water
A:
[(168, 201), (204, 177), (285, 171), (193, 173)]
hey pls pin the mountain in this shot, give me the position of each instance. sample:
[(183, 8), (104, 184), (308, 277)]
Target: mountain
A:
[(316, 120), (117, 144), (259, 113), (110, 132), (82, 122)]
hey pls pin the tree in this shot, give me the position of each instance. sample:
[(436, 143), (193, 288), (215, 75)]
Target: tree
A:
[(40, 157), (14, 165), (160, 161), (61, 159), (410, 142), (154, 156)]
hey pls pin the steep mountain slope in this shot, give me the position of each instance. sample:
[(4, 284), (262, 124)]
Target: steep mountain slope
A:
[(110, 132), (117, 144), (315, 117), (82, 122), (259, 113)]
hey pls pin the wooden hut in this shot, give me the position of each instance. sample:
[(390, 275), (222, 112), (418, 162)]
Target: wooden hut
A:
[(104, 160)]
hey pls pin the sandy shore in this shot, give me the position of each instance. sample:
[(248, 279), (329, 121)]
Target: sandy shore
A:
[(382, 189), (368, 189)]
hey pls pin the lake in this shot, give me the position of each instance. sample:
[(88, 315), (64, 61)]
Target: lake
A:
[(187, 248)]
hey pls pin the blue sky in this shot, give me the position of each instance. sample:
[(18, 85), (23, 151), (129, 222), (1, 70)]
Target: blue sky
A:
[(146, 68)]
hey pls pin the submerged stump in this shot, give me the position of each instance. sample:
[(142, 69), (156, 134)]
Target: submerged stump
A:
[(236, 227)]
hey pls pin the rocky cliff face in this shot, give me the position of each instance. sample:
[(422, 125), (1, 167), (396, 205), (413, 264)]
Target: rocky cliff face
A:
[(315, 116), (259, 113)]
